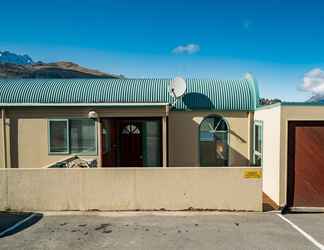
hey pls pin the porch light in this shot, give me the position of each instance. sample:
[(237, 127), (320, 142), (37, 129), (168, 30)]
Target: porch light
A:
[(93, 115)]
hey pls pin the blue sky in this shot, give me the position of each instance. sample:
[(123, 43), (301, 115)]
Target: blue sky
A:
[(278, 41)]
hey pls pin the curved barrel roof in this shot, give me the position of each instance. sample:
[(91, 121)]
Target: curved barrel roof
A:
[(222, 95)]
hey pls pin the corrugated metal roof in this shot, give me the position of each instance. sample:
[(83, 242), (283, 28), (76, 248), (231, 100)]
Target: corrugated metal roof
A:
[(225, 95)]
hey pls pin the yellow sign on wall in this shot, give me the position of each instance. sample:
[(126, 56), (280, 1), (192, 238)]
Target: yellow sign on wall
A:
[(252, 174)]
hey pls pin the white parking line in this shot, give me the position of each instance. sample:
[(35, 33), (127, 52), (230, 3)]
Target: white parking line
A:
[(306, 235), (16, 225)]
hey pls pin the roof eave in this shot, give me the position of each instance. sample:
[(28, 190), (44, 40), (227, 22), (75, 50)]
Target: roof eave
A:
[(83, 104)]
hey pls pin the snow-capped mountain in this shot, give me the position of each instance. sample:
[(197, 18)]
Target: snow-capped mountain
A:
[(8, 57), (317, 98)]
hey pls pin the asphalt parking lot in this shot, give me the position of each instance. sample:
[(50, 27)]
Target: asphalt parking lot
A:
[(162, 230)]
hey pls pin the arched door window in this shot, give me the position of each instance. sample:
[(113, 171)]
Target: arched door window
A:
[(131, 129), (213, 142)]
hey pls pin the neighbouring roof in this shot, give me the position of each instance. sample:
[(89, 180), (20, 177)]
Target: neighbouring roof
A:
[(222, 95), (291, 104)]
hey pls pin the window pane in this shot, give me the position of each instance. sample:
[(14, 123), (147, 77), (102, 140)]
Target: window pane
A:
[(83, 136), (106, 140), (152, 144), (58, 136), (209, 124), (257, 138), (213, 142), (221, 146), (257, 150), (206, 136), (257, 160), (221, 125)]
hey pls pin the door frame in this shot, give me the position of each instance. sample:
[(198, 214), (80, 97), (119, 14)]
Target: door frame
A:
[(292, 124), (135, 119)]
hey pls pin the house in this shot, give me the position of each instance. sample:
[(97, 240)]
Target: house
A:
[(217, 126), (127, 122), (152, 151)]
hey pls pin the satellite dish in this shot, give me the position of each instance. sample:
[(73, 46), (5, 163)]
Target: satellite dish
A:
[(177, 87)]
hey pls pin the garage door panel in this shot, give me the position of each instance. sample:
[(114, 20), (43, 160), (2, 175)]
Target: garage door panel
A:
[(306, 164)]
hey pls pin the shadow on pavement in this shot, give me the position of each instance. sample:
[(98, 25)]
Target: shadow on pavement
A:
[(268, 204), (22, 220)]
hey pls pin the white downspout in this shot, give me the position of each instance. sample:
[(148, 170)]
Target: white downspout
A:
[(99, 142), (164, 141), (4, 139), (164, 138)]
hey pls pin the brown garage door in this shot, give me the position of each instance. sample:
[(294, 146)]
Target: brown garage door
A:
[(305, 164)]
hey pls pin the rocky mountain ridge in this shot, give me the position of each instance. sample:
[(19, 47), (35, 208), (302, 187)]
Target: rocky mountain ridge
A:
[(23, 66)]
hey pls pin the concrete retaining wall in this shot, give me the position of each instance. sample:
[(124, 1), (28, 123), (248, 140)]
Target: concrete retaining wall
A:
[(230, 188)]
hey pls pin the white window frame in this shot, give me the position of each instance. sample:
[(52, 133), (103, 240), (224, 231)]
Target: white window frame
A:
[(255, 152), (95, 153), (217, 131), (67, 136)]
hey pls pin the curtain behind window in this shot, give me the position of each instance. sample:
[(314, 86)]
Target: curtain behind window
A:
[(152, 144), (213, 142), (82, 136), (58, 136)]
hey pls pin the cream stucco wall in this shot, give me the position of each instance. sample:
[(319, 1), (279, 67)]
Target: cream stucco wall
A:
[(271, 120), (184, 137), (130, 189), (27, 136), (3, 189)]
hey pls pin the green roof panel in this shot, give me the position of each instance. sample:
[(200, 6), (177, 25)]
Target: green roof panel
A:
[(210, 94)]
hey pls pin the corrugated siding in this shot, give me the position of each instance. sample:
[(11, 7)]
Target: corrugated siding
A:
[(238, 95)]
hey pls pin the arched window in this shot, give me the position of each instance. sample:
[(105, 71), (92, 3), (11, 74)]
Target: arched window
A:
[(213, 142), (131, 129)]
